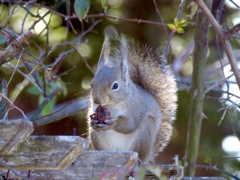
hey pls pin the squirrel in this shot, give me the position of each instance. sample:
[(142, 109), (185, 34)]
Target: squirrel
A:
[(138, 100)]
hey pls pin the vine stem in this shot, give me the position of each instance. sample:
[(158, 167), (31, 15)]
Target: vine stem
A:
[(197, 92)]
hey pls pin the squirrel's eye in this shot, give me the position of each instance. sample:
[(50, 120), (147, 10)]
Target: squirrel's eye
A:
[(115, 86)]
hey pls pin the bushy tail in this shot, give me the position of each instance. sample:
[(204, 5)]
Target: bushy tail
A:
[(145, 70)]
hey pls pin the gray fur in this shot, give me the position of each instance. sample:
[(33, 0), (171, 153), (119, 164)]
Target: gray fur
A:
[(143, 107)]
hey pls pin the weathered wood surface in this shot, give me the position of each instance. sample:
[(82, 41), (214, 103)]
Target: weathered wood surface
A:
[(170, 171), (104, 165), (203, 178), (46, 153), (12, 133), (90, 164)]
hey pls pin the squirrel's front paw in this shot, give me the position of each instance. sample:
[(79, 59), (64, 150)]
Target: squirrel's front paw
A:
[(102, 125)]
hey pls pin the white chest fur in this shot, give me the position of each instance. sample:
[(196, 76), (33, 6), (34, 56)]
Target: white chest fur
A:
[(116, 141)]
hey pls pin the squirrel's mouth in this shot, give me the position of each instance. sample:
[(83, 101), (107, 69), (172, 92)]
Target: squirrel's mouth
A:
[(100, 115)]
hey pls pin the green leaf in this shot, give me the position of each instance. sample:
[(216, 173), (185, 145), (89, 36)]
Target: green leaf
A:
[(176, 22), (180, 163), (49, 106), (33, 90), (18, 89), (3, 39), (105, 4), (81, 8), (207, 159), (180, 30), (182, 23), (43, 101), (3, 101), (171, 26)]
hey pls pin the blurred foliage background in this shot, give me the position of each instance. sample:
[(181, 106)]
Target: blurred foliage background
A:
[(62, 53)]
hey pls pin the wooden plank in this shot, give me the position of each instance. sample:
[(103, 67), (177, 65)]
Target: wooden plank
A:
[(46, 153), (203, 178), (104, 165), (170, 171), (90, 164), (175, 172), (12, 133)]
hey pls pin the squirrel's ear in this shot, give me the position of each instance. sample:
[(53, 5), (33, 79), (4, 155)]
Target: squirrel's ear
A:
[(105, 51), (124, 58)]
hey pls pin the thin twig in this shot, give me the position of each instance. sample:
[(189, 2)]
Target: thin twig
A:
[(87, 31), (180, 59), (15, 69), (218, 16), (220, 10), (139, 21), (234, 3), (223, 116), (180, 9), (58, 66), (12, 47), (27, 77), (63, 54), (60, 57), (222, 99), (219, 170), (34, 74), (216, 84), (164, 57), (12, 105), (25, 18), (85, 61), (160, 16)]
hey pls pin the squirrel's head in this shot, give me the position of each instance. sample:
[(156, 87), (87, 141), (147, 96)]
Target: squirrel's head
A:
[(111, 81)]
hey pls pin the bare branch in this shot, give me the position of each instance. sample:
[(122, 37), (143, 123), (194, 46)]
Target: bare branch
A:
[(13, 46), (100, 15), (231, 31), (226, 45)]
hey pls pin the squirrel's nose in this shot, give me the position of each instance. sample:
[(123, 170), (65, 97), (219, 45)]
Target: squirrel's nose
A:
[(96, 100)]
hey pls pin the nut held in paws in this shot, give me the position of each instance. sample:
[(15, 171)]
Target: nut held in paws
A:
[(101, 113)]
